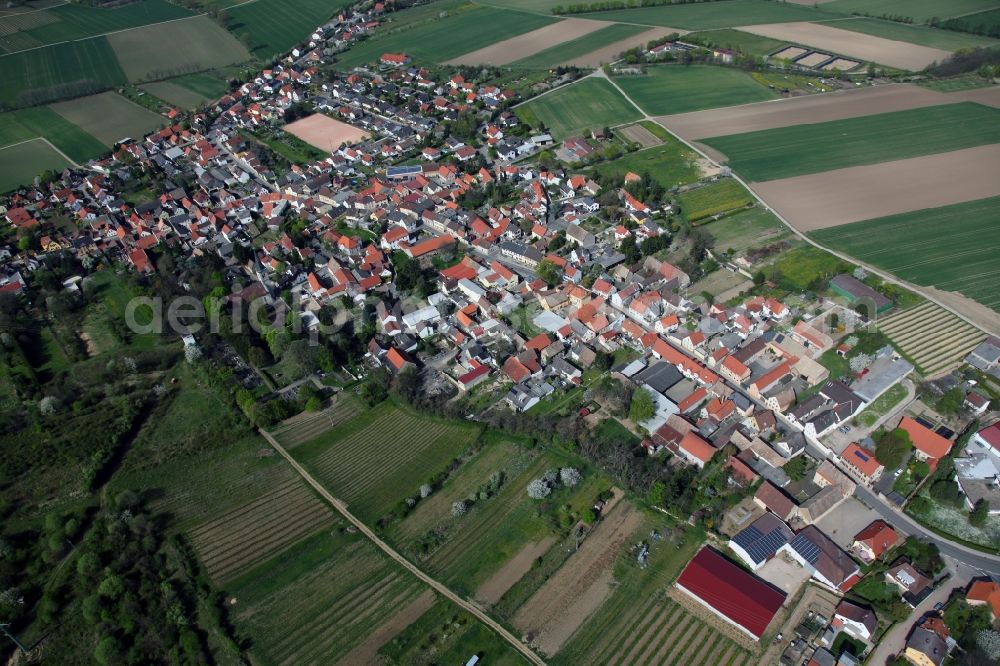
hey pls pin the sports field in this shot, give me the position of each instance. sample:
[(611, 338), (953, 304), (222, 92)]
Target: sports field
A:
[(467, 28), (591, 103), (952, 248), (949, 40), (804, 149), (74, 21), (51, 73), (376, 460), (151, 53), (919, 10), (20, 163), (713, 15), (575, 48), (671, 89), (109, 117), (275, 26)]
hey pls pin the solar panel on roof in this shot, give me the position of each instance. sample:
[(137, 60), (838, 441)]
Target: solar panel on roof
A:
[(806, 548), (924, 422), (861, 455), (947, 433)]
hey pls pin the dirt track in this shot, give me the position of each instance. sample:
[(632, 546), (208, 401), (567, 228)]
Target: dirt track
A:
[(855, 44), (529, 43), (580, 586), (611, 51), (324, 132), (832, 198), (821, 107), (497, 585)]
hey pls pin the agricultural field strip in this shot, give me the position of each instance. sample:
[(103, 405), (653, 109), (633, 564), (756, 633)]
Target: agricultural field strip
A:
[(858, 45), (625, 630), (648, 638), (289, 486), (528, 44), (657, 650), (308, 429), (627, 641)]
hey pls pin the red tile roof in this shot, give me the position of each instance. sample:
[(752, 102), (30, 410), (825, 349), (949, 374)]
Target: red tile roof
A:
[(987, 592), (878, 536), (741, 597), (925, 440)]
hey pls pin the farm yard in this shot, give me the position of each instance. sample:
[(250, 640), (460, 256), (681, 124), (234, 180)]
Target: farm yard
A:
[(324, 132), (575, 108), (861, 46), (467, 28), (932, 337), (839, 105), (109, 117), (577, 49), (529, 43), (730, 14), (669, 89), (151, 53), (951, 248), (376, 460), (805, 149)]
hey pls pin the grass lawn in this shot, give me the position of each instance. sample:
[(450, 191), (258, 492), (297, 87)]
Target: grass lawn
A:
[(804, 149), (379, 458), (881, 406), (718, 197), (50, 73), (467, 28), (150, 54), (581, 46), (923, 35), (713, 15), (21, 163), (671, 164), (274, 26), (109, 117), (613, 430), (578, 107), (801, 266), (209, 85), (173, 94), (918, 10), (75, 21), (747, 229), (952, 248), (668, 89), (736, 40)]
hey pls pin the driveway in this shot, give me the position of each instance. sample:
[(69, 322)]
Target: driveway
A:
[(847, 519)]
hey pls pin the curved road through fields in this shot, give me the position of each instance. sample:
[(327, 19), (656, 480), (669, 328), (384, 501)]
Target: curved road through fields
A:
[(440, 588)]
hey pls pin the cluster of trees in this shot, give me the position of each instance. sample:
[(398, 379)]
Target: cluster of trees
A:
[(967, 60), (892, 447), (608, 5)]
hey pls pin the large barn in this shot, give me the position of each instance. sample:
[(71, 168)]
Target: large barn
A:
[(735, 595)]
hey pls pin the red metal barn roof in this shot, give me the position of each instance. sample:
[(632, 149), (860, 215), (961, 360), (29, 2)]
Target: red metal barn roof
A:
[(734, 593)]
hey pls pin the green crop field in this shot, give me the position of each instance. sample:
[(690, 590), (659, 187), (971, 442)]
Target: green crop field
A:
[(952, 248), (19, 164), (737, 40), (752, 228), (26, 124), (919, 10), (109, 117), (804, 149), (275, 26), (589, 104), (671, 163), (984, 22), (174, 94), (671, 89), (151, 53), (581, 46), (62, 70), (713, 15), (73, 21), (210, 86), (466, 29), (948, 40), (376, 460), (718, 197)]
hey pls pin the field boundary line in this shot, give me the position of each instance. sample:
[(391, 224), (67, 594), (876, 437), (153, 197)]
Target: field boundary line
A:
[(44, 140), (439, 587)]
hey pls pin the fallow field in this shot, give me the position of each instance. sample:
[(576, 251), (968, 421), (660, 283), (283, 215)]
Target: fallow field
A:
[(804, 149), (578, 107), (377, 459), (948, 40), (669, 89), (952, 248), (529, 43), (573, 49)]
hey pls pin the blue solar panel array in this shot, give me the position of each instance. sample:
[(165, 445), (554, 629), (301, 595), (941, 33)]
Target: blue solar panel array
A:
[(806, 548), (760, 546), (861, 455)]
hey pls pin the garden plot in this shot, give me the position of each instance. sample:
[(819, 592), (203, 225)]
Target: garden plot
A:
[(868, 48)]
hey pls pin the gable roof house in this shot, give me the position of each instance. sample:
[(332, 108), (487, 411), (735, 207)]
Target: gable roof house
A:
[(873, 541), (985, 593), (862, 463), (855, 620), (927, 444), (828, 564), (913, 585)]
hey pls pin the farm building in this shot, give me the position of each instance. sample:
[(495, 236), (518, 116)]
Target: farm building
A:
[(759, 541), (824, 559), (738, 597), (858, 293)]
